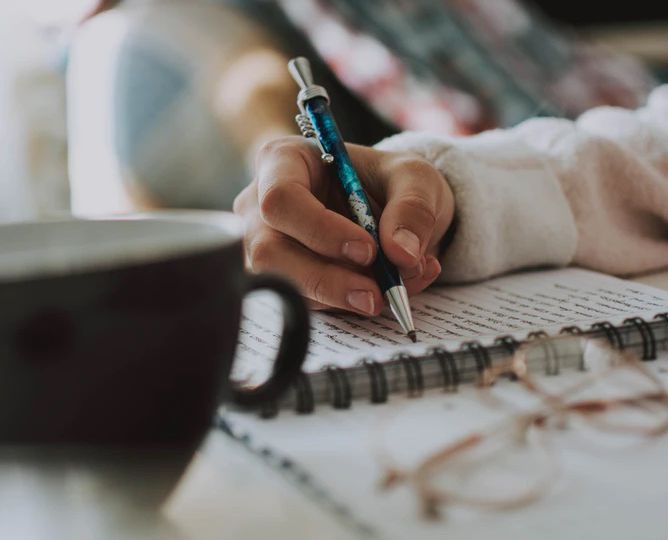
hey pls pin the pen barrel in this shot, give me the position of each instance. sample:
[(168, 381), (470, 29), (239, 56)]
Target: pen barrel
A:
[(332, 142)]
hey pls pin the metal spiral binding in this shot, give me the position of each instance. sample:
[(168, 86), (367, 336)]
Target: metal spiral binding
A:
[(341, 391), (413, 372), (613, 335), (377, 381), (480, 355), (308, 131), (661, 316), (269, 410), (448, 368), (509, 343), (648, 339), (452, 366), (305, 402), (552, 360), (572, 330)]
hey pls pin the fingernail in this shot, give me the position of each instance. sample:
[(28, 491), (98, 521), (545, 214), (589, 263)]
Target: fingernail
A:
[(432, 268), (361, 301), (358, 252), (408, 241)]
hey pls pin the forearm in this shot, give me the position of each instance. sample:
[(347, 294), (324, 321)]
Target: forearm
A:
[(553, 192)]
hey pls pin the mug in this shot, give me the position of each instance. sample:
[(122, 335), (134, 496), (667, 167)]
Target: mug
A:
[(122, 331)]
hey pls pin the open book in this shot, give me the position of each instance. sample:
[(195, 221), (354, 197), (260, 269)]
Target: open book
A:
[(609, 486), (461, 330)]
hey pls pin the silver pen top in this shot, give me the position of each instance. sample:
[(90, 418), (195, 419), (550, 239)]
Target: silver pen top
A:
[(300, 69)]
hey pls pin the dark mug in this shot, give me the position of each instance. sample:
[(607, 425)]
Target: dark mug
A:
[(122, 331)]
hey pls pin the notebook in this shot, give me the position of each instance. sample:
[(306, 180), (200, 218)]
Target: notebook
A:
[(461, 330), (608, 485)]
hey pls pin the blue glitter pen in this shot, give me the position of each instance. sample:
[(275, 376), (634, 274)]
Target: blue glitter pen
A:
[(316, 121)]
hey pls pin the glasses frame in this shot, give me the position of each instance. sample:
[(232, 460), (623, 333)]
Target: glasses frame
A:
[(531, 428)]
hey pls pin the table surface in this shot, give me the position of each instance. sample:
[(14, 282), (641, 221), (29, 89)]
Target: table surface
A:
[(225, 493)]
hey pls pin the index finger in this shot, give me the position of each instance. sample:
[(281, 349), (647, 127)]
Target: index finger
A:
[(288, 172)]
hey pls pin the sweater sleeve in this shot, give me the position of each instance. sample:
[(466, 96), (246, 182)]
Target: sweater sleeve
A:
[(552, 192)]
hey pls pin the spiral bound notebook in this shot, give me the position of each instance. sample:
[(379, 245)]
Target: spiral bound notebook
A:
[(461, 330)]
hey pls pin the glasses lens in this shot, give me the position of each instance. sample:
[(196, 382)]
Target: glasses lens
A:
[(447, 448), (509, 467)]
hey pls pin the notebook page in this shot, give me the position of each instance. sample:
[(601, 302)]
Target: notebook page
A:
[(609, 485), (516, 304)]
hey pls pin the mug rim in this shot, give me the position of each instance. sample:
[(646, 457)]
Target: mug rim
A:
[(202, 231)]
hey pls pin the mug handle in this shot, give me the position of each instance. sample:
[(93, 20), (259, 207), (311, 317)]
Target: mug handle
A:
[(293, 346)]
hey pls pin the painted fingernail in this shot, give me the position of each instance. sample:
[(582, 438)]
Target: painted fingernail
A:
[(361, 301), (358, 252), (408, 241)]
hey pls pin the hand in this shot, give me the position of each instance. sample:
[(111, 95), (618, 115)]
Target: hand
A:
[(298, 225)]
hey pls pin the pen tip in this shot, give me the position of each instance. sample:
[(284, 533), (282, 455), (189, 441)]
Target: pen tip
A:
[(413, 336)]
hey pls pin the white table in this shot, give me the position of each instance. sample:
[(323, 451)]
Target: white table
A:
[(225, 493)]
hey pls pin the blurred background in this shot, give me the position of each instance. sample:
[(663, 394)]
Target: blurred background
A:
[(112, 106)]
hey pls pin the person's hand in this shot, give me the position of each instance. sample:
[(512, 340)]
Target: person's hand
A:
[(298, 225)]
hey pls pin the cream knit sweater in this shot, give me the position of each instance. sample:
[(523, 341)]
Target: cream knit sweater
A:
[(592, 193)]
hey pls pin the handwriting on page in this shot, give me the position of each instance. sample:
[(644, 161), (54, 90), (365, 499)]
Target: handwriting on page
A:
[(515, 304)]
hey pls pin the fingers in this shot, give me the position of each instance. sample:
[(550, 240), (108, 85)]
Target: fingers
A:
[(295, 225), (417, 211), (323, 282), (419, 278), (286, 175)]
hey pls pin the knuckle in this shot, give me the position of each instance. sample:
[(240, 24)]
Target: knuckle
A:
[(260, 252), (270, 148), (281, 145), (420, 208), (316, 286), (425, 203), (237, 203), (317, 237), (240, 201), (273, 202), (415, 166)]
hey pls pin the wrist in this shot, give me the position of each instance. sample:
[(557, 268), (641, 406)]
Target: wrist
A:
[(511, 210)]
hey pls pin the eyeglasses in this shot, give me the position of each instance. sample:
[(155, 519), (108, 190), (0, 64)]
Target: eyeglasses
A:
[(513, 462)]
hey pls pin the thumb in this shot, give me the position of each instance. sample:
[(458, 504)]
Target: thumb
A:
[(413, 216)]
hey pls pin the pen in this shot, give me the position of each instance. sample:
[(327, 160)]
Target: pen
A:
[(315, 120)]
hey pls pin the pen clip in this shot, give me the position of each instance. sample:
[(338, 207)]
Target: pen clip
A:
[(308, 131)]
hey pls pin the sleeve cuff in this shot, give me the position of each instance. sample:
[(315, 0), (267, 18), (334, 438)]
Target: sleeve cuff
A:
[(511, 210)]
